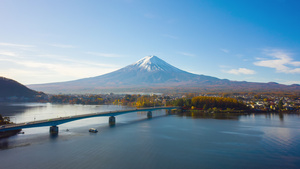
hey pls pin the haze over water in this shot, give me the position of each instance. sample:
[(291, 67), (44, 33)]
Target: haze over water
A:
[(165, 141)]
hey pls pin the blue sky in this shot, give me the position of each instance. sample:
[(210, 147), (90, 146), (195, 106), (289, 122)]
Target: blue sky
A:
[(53, 41)]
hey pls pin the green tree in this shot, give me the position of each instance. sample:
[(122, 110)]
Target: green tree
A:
[(179, 102), (4, 120), (280, 105), (204, 107)]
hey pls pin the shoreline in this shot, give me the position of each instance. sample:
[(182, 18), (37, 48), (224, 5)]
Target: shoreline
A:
[(240, 111), (9, 133)]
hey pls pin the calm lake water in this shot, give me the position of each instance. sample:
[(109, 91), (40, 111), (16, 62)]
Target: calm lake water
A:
[(165, 141)]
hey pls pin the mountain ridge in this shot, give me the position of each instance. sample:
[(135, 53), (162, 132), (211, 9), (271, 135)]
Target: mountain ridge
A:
[(10, 89), (153, 73)]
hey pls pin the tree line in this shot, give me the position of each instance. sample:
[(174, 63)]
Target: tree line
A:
[(140, 100), (206, 102), (69, 99), (193, 102), (4, 120)]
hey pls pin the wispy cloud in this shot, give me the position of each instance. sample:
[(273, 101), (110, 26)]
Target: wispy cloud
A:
[(241, 71), (108, 55), (62, 46), (68, 60), (280, 60), (88, 63), (7, 53), (225, 50), (291, 82), (187, 54), (63, 69), (239, 55), (16, 45), (170, 36), (28, 64)]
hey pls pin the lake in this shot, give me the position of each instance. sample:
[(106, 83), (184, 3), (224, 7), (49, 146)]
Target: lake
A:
[(165, 141)]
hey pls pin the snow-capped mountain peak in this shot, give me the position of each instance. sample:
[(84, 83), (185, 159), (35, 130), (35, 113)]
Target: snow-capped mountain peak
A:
[(153, 74), (153, 63)]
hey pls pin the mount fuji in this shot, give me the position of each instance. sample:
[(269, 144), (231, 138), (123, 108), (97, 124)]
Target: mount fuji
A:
[(152, 74), (149, 71)]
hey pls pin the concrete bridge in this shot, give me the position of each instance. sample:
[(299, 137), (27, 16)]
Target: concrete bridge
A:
[(53, 123)]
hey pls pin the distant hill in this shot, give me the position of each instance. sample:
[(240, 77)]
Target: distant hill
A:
[(11, 89), (151, 74)]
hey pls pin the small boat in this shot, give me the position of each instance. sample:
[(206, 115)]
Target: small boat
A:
[(92, 130)]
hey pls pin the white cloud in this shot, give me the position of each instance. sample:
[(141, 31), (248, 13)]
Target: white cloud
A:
[(27, 64), (32, 71), (16, 45), (109, 55), (225, 50), (281, 61), (62, 46), (291, 82), (295, 63), (7, 53), (56, 61), (241, 71), (30, 64), (239, 55), (59, 74), (187, 54), (87, 62)]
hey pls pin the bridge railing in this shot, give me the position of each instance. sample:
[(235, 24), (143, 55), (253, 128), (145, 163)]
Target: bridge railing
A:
[(75, 117)]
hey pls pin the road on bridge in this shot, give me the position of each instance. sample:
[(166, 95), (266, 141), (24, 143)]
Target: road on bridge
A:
[(61, 120)]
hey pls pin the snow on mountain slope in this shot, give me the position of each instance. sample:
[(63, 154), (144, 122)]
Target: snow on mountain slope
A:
[(151, 72), (152, 64), (147, 71)]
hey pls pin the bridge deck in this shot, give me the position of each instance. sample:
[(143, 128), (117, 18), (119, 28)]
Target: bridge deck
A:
[(61, 120)]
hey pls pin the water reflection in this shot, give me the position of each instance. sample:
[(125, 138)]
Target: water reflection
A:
[(25, 112), (53, 136), (281, 117), (280, 139), (4, 144), (12, 109), (233, 116), (202, 115), (252, 141), (8, 144)]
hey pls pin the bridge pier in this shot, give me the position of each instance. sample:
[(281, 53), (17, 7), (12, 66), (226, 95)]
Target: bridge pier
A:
[(149, 114), (53, 130), (112, 120)]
